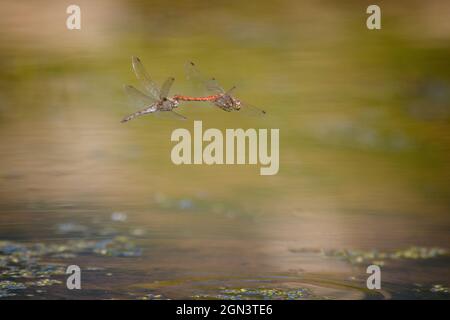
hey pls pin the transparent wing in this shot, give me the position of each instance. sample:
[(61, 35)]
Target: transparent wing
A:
[(150, 86), (166, 88), (250, 110), (214, 86), (137, 98), (194, 75), (201, 104), (230, 90), (172, 115)]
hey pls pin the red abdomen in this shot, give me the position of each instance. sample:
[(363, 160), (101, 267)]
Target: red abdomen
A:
[(188, 98)]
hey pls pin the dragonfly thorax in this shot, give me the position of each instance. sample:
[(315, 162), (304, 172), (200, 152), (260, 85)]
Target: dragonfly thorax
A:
[(228, 103), (168, 104)]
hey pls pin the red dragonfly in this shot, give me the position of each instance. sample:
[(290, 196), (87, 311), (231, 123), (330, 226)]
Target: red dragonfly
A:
[(220, 98), (156, 101)]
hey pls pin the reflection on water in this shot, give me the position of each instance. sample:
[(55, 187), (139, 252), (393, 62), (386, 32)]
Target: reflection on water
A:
[(181, 248), (364, 170)]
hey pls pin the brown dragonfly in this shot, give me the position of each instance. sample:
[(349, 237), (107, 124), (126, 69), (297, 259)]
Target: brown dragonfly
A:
[(220, 98), (154, 101)]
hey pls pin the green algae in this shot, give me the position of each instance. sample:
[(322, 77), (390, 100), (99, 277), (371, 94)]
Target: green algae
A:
[(29, 261), (439, 288), (44, 282), (260, 294), (11, 285), (381, 258)]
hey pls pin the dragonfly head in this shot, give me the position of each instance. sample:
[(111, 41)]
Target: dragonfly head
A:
[(229, 103), (233, 103), (174, 102), (237, 104)]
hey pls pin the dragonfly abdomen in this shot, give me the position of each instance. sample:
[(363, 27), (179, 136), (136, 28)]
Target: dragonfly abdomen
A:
[(188, 98)]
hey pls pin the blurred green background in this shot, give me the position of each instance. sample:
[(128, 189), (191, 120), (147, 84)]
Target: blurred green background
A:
[(363, 118)]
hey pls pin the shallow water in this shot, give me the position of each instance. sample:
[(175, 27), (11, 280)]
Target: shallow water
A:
[(364, 154)]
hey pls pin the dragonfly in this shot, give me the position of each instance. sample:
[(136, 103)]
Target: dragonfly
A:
[(219, 97), (155, 100)]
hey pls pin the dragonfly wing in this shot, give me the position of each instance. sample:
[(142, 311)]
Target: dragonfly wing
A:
[(250, 110), (194, 75), (137, 98), (172, 115), (166, 88), (231, 90), (150, 86), (214, 86)]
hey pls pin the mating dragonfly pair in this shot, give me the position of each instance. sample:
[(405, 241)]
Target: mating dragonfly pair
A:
[(157, 101)]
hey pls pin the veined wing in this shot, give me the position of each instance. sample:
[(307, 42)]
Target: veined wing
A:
[(251, 110), (166, 88), (172, 115), (193, 74), (150, 86), (137, 98), (231, 90)]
